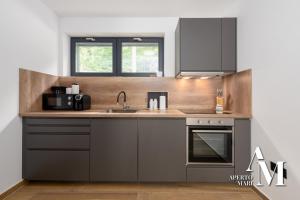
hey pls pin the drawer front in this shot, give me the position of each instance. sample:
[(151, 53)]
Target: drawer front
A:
[(41, 141), (57, 126), (56, 121), (209, 174), (56, 165), (81, 130)]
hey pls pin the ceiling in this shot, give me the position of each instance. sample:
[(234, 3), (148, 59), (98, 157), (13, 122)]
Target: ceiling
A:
[(140, 8)]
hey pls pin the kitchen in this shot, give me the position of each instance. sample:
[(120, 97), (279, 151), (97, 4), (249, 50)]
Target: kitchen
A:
[(145, 105)]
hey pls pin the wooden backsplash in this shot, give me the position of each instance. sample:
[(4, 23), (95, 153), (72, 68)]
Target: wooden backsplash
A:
[(183, 94), (31, 87), (238, 92)]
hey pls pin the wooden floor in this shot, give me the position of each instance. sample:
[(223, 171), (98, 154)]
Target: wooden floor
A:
[(64, 191)]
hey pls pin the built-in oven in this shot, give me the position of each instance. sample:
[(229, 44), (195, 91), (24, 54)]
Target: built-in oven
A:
[(210, 141)]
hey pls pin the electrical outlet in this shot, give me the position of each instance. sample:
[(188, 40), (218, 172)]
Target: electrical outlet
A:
[(273, 166)]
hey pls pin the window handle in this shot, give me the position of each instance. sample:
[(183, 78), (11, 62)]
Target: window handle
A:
[(138, 39), (90, 39)]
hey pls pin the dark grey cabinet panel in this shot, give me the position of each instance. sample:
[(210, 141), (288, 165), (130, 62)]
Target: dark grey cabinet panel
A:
[(122, 150), (58, 129), (56, 149), (242, 151), (56, 165), (177, 49), (200, 44), (57, 121), (209, 174), (114, 150), (52, 141), (162, 150), (229, 44), (57, 126), (205, 45)]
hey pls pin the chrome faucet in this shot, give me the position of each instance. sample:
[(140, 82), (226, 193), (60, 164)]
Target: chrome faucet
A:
[(124, 100)]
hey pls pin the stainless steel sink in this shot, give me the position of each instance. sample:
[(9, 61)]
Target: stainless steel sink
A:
[(121, 111)]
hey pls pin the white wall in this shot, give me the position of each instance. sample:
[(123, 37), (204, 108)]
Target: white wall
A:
[(269, 43), (28, 39), (97, 26)]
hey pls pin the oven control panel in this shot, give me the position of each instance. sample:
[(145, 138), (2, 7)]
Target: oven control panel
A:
[(210, 121)]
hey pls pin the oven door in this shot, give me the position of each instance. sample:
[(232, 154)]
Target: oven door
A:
[(210, 145)]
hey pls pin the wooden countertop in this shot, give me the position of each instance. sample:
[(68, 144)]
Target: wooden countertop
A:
[(138, 114)]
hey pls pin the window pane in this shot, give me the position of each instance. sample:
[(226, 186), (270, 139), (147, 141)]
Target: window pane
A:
[(94, 57), (140, 57)]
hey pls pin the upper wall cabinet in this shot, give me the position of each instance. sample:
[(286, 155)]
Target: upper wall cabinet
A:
[(229, 45), (206, 45)]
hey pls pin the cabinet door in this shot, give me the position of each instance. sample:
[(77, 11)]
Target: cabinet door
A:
[(242, 132), (114, 150), (162, 150), (229, 44), (200, 44)]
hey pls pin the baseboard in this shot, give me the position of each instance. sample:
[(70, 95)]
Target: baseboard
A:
[(12, 189), (262, 195)]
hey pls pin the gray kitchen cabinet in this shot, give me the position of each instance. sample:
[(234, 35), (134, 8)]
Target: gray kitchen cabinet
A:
[(114, 150), (200, 44), (242, 135), (120, 150), (209, 174), (229, 44), (56, 149), (205, 45), (161, 150), (52, 141), (57, 165)]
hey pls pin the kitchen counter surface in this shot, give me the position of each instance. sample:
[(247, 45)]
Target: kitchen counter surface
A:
[(139, 114)]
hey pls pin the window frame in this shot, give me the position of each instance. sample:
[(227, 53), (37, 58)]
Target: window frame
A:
[(117, 55), (75, 40)]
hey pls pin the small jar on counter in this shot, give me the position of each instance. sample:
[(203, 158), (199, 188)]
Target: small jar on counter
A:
[(75, 88)]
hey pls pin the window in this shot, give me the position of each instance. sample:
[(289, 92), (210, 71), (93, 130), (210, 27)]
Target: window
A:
[(116, 56), (94, 57)]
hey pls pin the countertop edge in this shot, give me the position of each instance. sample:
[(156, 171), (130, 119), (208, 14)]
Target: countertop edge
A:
[(91, 114)]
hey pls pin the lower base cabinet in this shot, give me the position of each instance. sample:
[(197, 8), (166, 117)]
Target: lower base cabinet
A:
[(132, 150), (56, 149), (114, 150), (242, 145), (209, 174), (120, 150), (162, 150)]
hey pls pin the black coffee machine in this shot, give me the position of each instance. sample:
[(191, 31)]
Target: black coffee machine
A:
[(82, 102)]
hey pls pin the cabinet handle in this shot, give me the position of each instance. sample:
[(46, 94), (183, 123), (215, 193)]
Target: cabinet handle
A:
[(212, 131)]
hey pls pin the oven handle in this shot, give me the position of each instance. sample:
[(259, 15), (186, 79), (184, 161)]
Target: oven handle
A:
[(212, 131)]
